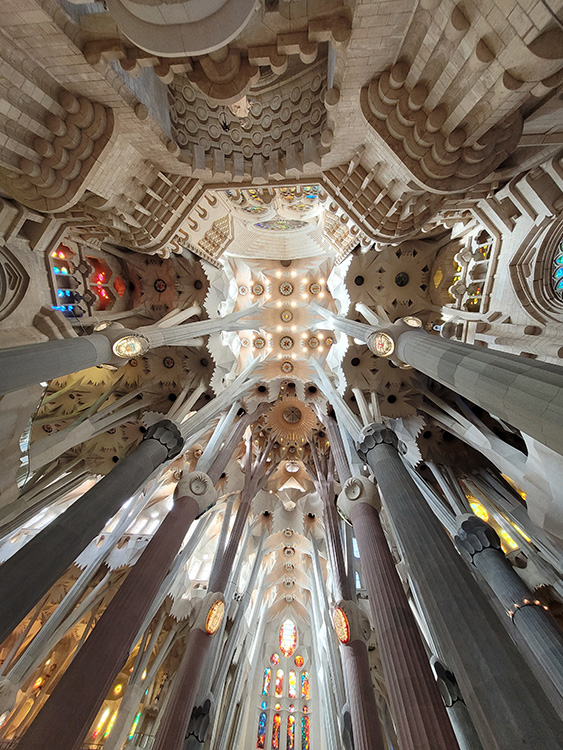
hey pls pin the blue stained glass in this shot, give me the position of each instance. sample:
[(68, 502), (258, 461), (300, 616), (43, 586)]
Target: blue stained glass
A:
[(264, 705), (559, 273), (559, 260), (559, 284), (261, 735)]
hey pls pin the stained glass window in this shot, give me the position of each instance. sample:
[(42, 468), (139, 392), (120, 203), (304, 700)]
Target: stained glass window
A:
[(267, 678), (276, 732), (135, 725), (288, 637), (292, 687), (264, 705), (299, 661), (290, 732), (261, 736), (304, 733), (275, 659), (557, 272), (279, 683), (305, 686)]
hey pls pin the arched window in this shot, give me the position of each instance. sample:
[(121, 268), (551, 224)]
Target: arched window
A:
[(261, 736), (304, 733), (276, 732), (557, 272), (279, 683), (290, 732), (267, 679), (288, 637), (292, 685), (305, 686)]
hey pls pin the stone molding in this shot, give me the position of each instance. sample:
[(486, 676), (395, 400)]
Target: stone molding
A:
[(197, 485), (167, 434), (373, 435), (358, 490), (473, 536)]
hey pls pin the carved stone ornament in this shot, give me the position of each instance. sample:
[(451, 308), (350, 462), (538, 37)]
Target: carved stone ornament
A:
[(209, 608), (168, 434), (199, 486), (473, 536), (358, 490), (371, 436)]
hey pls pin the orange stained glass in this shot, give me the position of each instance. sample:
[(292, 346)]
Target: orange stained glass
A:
[(275, 659), (305, 686), (288, 637), (304, 733), (261, 735), (276, 732), (292, 688), (279, 683), (267, 679), (299, 661)]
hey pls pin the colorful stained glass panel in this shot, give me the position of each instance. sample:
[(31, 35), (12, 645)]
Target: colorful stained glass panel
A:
[(267, 679), (276, 732), (304, 733), (305, 686), (261, 736), (275, 659), (279, 683), (292, 687), (290, 732), (299, 661), (288, 637)]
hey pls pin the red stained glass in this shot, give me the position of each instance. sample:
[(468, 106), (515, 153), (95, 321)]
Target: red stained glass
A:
[(279, 683), (288, 637), (304, 733), (261, 737), (276, 732), (119, 286), (275, 659), (299, 661)]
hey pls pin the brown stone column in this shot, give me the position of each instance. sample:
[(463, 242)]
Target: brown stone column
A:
[(418, 710), (72, 707)]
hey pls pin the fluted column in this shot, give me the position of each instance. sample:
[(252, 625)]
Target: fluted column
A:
[(420, 716), (31, 572), (479, 544), (457, 710), (76, 699), (361, 697), (507, 704)]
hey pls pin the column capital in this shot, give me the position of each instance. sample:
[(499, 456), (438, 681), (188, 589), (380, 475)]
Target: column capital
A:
[(350, 623), (198, 486), (358, 490), (167, 434), (447, 683), (473, 536), (372, 435)]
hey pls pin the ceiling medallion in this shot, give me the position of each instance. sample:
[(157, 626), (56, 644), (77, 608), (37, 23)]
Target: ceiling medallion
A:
[(289, 551), (287, 367), (281, 225), (289, 566), (160, 285), (286, 288), (168, 362), (329, 341), (410, 320), (286, 316), (314, 288), (291, 467), (257, 289), (313, 342), (259, 342), (288, 532), (341, 625), (286, 342), (243, 290), (244, 341), (292, 415), (383, 344)]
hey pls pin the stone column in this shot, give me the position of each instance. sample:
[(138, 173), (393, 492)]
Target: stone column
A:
[(361, 696), (455, 706), (31, 572), (479, 544), (77, 697), (22, 366), (420, 716), (507, 705)]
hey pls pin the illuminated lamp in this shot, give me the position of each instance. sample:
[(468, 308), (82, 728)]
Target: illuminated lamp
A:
[(214, 617), (341, 625), (412, 321)]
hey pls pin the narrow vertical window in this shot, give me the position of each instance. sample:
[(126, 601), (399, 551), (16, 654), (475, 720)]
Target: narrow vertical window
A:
[(292, 688), (279, 683), (304, 733), (267, 678), (288, 637), (261, 736), (276, 732), (291, 733), (305, 686)]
